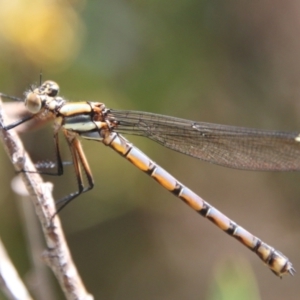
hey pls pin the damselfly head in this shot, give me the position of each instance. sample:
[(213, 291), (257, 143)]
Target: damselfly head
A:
[(36, 98), (49, 88)]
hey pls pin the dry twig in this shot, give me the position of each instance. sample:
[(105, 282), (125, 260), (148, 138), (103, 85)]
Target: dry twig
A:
[(57, 255)]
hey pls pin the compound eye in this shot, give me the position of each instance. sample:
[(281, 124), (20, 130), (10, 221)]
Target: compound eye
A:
[(52, 88), (33, 103)]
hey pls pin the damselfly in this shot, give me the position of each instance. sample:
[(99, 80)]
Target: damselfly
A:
[(234, 147)]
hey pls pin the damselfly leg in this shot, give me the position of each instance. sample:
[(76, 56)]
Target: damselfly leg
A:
[(79, 160)]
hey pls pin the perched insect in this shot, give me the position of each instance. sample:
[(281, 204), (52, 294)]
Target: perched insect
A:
[(234, 147)]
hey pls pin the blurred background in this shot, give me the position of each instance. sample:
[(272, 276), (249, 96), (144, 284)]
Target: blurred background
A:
[(234, 63)]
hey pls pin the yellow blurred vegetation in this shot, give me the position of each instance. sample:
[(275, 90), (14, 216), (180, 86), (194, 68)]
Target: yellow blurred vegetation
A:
[(43, 32)]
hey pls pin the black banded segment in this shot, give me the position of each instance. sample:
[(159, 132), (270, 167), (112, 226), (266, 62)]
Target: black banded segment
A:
[(114, 141), (164, 178), (205, 210), (218, 218), (232, 228), (151, 169), (257, 246), (138, 158), (177, 190), (245, 237), (128, 150), (190, 198)]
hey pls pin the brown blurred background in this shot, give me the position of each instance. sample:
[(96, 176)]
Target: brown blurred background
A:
[(228, 62)]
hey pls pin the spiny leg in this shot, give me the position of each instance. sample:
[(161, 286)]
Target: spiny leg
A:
[(79, 160), (59, 164)]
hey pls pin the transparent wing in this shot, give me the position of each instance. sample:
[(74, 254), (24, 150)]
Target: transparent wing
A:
[(235, 147)]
